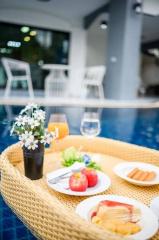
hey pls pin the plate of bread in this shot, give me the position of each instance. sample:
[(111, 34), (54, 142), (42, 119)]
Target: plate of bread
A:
[(119, 215), (138, 173)]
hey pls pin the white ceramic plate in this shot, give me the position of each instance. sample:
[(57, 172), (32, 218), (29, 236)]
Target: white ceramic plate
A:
[(122, 170), (148, 222), (63, 185)]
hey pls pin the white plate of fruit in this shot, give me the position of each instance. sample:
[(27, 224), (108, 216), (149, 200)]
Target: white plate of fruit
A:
[(119, 215), (84, 182)]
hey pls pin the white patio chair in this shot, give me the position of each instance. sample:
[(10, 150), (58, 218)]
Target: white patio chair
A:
[(12, 68), (56, 84), (94, 77)]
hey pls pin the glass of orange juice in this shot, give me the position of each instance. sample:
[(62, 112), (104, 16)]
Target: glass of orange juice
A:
[(58, 123)]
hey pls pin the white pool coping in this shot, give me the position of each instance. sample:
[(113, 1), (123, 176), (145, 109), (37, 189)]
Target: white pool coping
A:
[(77, 102)]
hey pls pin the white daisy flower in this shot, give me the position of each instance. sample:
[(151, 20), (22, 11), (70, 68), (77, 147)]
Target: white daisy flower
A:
[(31, 144), (26, 138), (33, 122), (26, 135), (25, 119), (48, 137), (39, 114), (20, 121)]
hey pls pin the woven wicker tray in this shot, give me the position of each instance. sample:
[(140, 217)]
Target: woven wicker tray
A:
[(50, 215)]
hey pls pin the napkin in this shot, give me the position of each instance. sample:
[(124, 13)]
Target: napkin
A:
[(77, 166)]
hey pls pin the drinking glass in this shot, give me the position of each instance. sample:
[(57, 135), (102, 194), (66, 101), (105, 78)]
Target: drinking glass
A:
[(90, 124), (58, 122)]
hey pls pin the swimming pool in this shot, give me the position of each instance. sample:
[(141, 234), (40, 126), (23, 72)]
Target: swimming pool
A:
[(138, 126)]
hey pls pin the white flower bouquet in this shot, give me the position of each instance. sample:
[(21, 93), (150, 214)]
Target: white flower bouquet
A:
[(30, 127)]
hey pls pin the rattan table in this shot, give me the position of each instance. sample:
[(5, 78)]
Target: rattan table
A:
[(50, 215)]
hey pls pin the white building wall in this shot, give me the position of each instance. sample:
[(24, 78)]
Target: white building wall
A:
[(96, 49), (97, 43), (77, 60)]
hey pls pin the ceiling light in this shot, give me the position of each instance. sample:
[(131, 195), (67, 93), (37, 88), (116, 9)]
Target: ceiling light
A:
[(26, 39), (137, 6), (24, 29), (5, 50), (103, 25), (33, 33), (13, 44)]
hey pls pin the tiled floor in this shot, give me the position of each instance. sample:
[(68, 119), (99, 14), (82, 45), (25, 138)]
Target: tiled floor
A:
[(11, 228)]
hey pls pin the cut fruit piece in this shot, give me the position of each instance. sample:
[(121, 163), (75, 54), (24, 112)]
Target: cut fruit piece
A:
[(91, 176), (78, 182)]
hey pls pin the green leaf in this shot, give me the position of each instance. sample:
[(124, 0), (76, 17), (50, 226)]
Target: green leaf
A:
[(94, 165)]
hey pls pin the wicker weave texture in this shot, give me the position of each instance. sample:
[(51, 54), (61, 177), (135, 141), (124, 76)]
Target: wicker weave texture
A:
[(50, 214)]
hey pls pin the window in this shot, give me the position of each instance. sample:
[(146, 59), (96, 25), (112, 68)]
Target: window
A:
[(34, 45)]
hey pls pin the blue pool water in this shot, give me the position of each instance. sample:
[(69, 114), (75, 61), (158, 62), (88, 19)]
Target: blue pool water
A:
[(138, 126)]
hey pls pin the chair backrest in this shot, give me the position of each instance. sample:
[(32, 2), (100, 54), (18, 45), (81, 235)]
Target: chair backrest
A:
[(15, 67), (95, 74)]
